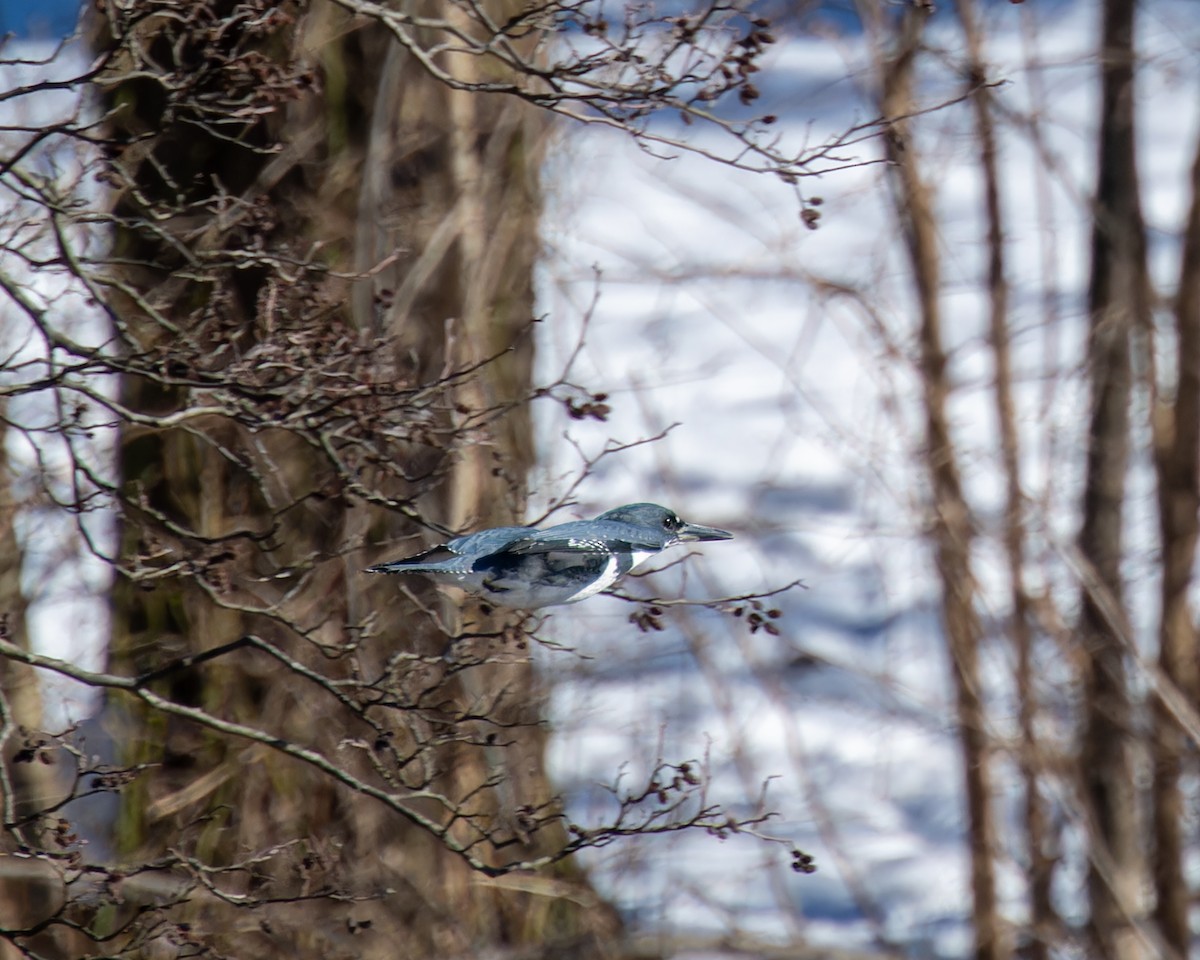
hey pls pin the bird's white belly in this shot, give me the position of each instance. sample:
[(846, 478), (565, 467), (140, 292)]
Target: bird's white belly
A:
[(641, 556)]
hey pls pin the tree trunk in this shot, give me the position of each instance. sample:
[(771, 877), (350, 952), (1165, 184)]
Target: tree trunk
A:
[(1039, 871), (1117, 304), (951, 520), (27, 890), (1176, 428), (430, 196)]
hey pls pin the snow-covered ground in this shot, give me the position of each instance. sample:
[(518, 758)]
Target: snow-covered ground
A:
[(786, 357)]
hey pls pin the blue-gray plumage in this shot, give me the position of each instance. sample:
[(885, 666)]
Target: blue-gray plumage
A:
[(527, 568)]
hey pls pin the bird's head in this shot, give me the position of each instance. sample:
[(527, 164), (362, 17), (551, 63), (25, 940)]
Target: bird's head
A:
[(667, 522)]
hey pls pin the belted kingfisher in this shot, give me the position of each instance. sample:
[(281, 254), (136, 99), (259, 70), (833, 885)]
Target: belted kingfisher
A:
[(527, 568)]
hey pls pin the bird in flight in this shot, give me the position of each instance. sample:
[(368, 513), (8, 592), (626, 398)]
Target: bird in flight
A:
[(527, 568)]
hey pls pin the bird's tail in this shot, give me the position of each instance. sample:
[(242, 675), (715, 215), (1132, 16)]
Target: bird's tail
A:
[(432, 560), (402, 566)]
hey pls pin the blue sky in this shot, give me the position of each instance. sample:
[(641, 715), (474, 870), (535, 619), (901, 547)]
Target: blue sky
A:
[(38, 20)]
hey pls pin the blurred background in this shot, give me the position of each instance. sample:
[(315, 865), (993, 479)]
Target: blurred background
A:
[(788, 363), (947, 378)]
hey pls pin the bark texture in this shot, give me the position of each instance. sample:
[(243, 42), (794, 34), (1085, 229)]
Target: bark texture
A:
[(951, 524), (1176, 429), (432, 195), (1040, 861), (27, 782), (1117, 306)]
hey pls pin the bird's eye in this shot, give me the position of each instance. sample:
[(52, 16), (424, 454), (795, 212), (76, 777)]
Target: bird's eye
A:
[(671, 523)]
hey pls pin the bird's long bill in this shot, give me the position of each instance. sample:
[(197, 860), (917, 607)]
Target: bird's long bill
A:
[(696, 531)]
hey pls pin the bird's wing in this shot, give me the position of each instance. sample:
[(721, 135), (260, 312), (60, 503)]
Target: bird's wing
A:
[(455, 555), (586, 536), (486, 541)]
